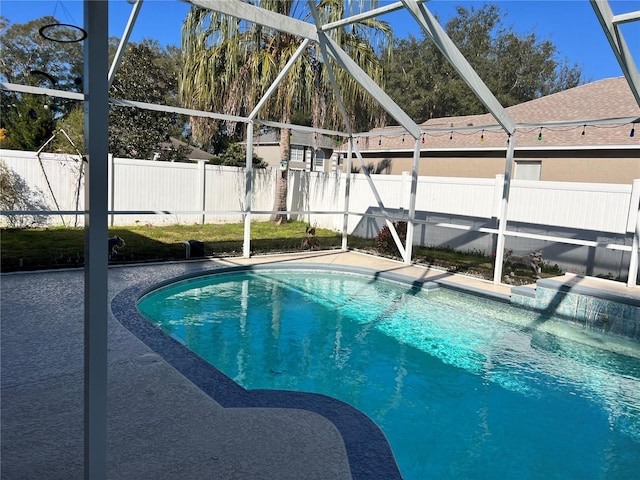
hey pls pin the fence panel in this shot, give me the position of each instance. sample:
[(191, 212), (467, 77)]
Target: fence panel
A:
[(51, 183), (471, 197), (163, 187), (174, 187), (593, 206), (316, 191), (225, 193)]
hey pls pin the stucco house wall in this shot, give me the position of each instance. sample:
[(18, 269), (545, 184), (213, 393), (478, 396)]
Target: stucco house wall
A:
[(582, 152), (267, 146)]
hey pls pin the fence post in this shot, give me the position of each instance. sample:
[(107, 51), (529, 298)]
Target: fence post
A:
[(202, 189), (633, 225)]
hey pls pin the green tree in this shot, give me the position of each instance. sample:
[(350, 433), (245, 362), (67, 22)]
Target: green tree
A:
[(27, 122), (236, 156), (15, 194), (30, 59), (148, 73), (516, 68), (229, 65), (73, 126)]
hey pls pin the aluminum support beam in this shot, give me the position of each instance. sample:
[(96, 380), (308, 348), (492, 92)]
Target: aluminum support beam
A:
[(432, 28), (347, 193), (296, 27), (328, 46), (502, 219), (246, 245), (385, 101), (178, 110), (332, 76), (261, 16), (392, 7), (633, 261), (15, 87), (412, 202), (283, 73), (96, 131), (618, 44), (383, 209), (117, 60), (626, 17), (633, 225)]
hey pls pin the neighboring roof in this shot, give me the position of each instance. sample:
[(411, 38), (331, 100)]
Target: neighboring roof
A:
[(603, 99), (304, 139), (194, 153)]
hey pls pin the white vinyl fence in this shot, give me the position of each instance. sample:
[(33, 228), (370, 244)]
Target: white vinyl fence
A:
[(454, 212)]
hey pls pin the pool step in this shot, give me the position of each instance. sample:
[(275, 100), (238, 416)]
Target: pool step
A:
[(582, 302)]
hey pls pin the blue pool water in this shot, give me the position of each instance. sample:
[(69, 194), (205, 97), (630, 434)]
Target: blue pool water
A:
[(463, 387)]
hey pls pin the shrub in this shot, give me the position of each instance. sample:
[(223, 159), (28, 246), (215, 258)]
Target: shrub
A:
[(384, 239), (15, 194)]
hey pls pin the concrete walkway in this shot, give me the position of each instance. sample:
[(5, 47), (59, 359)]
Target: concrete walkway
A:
[(160, 425)]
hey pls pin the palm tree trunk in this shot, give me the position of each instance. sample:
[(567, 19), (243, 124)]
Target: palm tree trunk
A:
[(282, 178)]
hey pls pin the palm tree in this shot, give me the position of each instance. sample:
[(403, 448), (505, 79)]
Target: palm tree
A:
[(230, 63)]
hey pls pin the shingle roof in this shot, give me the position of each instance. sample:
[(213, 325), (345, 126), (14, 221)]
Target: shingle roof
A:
[(305, 139), (603, 99), (193, 154)]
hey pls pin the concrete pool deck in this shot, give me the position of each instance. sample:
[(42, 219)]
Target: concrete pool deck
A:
[(160, 424)]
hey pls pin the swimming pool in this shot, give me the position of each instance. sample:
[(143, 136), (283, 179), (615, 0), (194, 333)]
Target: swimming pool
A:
[(463, 387)]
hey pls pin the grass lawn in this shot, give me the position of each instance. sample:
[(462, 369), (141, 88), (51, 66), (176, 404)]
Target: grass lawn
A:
[(40, 248), (46, 248)]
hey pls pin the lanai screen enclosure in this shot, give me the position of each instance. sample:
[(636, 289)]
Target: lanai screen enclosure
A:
[(99, 75)]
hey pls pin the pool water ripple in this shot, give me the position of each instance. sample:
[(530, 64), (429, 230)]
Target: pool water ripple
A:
[(462, 386)]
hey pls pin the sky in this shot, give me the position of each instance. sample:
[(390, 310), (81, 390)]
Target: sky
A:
[(571, 25)]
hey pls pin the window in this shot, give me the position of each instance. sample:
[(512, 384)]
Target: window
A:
[(297, 154), (529, 170), (318, 163)]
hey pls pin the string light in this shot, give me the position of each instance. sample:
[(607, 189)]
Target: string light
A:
[(632, 133), (451, 135), (540, 135), (380, 140), (423, 138), (584, 127), (482, 136), (403, 138)]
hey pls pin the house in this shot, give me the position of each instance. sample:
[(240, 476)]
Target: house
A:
[(192, 153), (309, 151), (584, 134)]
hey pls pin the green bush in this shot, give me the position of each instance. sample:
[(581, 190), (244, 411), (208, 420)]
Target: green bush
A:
[(384, 240)]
